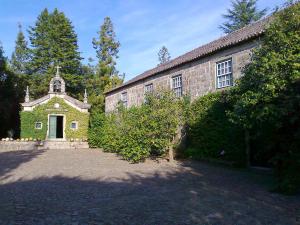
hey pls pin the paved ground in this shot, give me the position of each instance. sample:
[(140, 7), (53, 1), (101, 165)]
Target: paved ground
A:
[(91, 187)]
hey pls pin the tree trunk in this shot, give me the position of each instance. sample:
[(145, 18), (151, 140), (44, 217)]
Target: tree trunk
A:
[(247, 143), (171, 154)]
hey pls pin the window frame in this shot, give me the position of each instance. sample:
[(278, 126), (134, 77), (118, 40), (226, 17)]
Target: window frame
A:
[(74, 122), (38, 128), (124, 102), (177, 87), (224, 74), (146, 90)]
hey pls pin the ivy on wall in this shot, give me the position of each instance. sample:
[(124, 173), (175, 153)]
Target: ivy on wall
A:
[(40, 114)]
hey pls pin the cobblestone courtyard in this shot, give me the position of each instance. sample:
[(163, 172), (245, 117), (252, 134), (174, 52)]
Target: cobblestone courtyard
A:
[(91, 187)]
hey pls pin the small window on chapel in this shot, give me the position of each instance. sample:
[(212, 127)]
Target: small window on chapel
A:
[(74, 125), (38, 125)]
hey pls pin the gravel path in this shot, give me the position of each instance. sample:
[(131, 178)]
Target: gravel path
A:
[(92, 187)]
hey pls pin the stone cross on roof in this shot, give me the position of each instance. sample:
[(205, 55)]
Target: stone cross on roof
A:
[(57, 71)]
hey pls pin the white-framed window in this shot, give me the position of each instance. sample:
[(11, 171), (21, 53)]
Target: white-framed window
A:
[(149, 88), (224, 73), (38, 125), (74, 125), (124, 99), (177, 85)]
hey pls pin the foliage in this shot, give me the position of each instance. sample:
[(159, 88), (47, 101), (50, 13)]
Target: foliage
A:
[(269, 92), (242, 13), (211, 135), (54, 42), (107, 49), (40, 114), (139, 132), (11, 91), (104, 75), (163, 55), (21, 55)]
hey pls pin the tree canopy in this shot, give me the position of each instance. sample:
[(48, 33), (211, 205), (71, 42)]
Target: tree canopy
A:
[(241, 13), (21, 55), (163, 55), (268, 95), (54, 42)]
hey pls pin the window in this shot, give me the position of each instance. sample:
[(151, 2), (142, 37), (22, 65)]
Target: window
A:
[(74, 125), (149, 88), (177, 85), (38, 125), (124, 98), (224, 74)]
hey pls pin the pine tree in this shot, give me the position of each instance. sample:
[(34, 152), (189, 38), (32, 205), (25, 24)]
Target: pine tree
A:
[(2, 64), (105, 75), (242, 13), (54, 42), (163, 55), (21, 54), (107, 48), (10, 97)]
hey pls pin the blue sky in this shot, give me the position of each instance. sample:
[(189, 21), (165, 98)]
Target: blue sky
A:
[(141, 26)]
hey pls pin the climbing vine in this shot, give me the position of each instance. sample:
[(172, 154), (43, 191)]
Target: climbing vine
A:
[(40, 114)]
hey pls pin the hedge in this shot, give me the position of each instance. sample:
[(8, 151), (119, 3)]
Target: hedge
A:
[(210, 133)]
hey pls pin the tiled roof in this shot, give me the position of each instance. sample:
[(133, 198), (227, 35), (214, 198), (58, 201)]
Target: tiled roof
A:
[(248, 32)]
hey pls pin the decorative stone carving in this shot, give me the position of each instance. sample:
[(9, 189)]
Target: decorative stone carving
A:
[(27, 99), (85, 99)]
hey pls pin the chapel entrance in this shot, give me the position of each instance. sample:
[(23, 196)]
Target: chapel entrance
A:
[(56, 126)]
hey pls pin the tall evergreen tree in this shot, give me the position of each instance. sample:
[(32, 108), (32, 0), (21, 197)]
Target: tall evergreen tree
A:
[(107, 48), (54, 42), (10, 97), (21, 55), (2, 64), (242, 13), (163, 55), (105, 75)]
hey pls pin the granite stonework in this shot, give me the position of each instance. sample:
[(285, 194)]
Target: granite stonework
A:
[(38, 145), (198, 77)]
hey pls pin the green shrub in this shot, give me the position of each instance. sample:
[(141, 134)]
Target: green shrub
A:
[(268, 95), (139, 132), (210, 133)]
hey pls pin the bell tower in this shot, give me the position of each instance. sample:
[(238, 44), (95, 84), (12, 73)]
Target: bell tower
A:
[(57, 84)]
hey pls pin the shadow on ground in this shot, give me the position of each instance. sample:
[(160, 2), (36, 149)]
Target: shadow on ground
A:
[(194, 193), (10, 160)]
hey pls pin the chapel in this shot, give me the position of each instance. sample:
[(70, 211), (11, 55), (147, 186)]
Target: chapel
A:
[(55, 116)]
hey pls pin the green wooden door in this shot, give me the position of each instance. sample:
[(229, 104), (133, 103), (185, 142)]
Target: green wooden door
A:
[(52, 127)]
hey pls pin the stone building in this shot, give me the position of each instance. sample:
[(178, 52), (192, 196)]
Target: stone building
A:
[(208, 68), (55, 116)]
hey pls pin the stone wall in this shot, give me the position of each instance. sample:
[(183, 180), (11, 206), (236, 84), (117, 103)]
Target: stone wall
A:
[(17, 145), (199, 77), (34, 145)]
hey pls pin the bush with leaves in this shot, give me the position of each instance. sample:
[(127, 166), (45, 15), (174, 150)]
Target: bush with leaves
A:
[(139, 132), (210, 133), (269, 93)]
